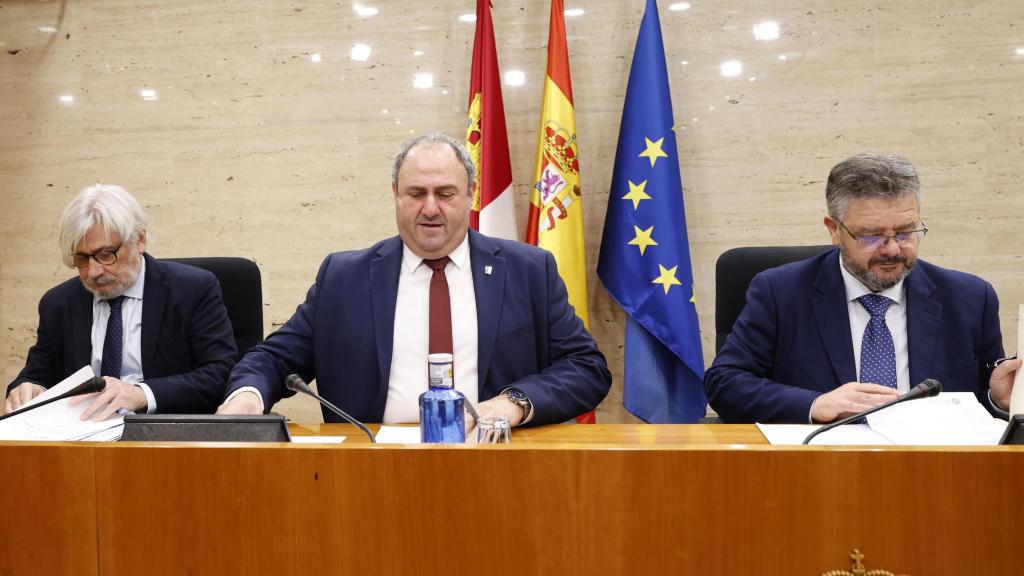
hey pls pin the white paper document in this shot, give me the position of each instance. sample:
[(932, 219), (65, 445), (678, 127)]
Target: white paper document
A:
[(398, 435), (318, 439), (949, 419), (60, 421), (849, 435)]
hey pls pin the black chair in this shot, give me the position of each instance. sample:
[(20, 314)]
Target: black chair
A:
[(734, 271), (242, 288)]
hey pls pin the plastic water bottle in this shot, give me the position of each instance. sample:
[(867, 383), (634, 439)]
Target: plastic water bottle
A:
[(442, 419)]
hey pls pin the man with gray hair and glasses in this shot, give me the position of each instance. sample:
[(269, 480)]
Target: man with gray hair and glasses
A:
[(373, 315), (157, 331), (857, 326)]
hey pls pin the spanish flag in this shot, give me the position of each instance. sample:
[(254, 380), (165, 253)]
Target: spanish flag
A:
[(556, 207), (493, 211)]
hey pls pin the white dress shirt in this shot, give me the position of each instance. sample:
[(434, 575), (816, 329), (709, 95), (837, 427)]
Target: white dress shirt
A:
[(895, 319), (131, 345), (408, 378)]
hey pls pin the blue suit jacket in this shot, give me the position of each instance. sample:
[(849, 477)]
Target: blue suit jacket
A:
[(342, 335), (188, 347), (792, 341)]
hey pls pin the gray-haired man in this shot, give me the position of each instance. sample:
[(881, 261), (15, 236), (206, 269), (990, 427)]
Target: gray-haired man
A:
[(157, 331)]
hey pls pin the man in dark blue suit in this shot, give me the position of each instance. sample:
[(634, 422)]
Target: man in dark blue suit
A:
[(836, 334), (363, 331), (157, 331)]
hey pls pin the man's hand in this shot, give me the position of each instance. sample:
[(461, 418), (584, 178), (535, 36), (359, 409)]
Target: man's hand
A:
[(22, 394), (117, 394), (1001, 383), (243, 403), (849, 399), (498, 407)]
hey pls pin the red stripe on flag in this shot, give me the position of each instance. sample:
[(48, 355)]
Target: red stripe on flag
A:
[(495, 165)]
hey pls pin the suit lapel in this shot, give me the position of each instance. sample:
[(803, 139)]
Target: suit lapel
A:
[(80, 305), (832, 317), (385, 268), (154, 299), (924, 316), (489, 286)]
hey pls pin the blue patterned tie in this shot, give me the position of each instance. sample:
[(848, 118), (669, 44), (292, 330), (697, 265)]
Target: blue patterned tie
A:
[(877, 352), (112, 343)]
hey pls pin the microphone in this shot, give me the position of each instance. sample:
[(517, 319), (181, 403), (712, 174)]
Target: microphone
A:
[(94, 384), (295, 383), (925, 389)]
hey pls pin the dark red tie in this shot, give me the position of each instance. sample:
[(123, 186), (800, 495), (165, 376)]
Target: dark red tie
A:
[(440, 309)]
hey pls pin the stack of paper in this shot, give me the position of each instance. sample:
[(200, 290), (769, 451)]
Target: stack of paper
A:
[(60, 420), (949, 419)]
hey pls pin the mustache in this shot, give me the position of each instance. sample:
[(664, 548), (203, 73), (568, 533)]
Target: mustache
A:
[(101, 281), (897, 259)]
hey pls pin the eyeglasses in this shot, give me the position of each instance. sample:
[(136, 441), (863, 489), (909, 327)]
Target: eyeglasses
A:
[(876, 241), (105, 257)]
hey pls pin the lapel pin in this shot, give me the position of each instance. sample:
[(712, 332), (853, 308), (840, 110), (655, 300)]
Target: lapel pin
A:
[(487, 270)]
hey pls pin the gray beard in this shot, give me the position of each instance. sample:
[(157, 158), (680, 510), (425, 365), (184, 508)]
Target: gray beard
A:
[(122, 287), (868, 278)]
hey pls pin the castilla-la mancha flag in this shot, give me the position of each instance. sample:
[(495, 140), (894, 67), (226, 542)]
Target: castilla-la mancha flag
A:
[(493, 211), (556, 208)]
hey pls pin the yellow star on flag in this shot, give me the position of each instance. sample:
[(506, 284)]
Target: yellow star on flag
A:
[(667, 278), (643, 238), (693, 290), (653, 151), (636, 193)]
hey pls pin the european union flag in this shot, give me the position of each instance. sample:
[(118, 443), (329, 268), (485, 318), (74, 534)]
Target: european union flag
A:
[(645, 257)]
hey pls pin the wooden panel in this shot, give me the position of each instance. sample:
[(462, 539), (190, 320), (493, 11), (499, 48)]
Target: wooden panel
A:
[(48, 502), (596, 434), (545, 508)]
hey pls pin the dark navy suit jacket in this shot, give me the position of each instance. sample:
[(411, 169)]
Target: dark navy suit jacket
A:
[(188, 347), (792, 341), (342, 335)]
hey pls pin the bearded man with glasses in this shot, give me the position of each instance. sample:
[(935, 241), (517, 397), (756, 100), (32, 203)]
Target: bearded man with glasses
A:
[(156, 331), (834, 335)]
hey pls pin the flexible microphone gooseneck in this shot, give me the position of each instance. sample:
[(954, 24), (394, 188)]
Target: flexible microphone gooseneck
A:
[(295, 383), (94, 384), (925, 389)]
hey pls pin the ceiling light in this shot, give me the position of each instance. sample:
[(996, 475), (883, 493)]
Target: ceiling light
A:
[(423, 80), (766, 31), (515, 77), (731, 68), (360, 52)]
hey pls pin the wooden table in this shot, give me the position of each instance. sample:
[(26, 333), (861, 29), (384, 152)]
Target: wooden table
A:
[(619, 499)]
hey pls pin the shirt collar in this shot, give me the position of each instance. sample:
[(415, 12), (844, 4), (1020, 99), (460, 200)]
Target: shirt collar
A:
[(459, 257), (136, 290), (855, 289)]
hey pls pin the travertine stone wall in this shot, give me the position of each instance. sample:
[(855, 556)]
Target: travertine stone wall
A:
[(250, 144)]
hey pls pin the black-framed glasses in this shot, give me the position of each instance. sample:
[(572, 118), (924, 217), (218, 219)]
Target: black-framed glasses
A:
[(875, 241), (105, 257)]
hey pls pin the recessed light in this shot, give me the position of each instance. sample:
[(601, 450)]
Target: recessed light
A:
[(731, 68)]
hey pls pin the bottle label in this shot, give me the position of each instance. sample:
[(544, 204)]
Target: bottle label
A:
[(441, 375)]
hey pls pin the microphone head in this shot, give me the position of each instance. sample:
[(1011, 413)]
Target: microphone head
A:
[(931, 387), (295, 383), (97, 384)]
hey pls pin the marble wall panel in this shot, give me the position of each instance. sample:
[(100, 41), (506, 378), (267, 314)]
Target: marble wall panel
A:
[(260, 136)]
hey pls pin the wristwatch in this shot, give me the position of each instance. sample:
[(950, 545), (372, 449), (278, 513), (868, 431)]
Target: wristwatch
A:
[(517, 397)]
